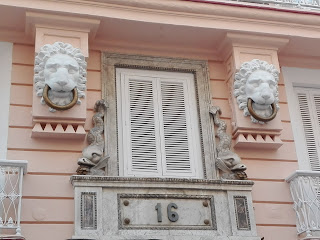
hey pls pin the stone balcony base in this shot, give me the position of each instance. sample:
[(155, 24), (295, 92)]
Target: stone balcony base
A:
[(114, 208)]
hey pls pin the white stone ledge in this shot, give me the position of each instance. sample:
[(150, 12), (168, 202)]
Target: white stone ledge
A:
[(168, 183), (306, 173)]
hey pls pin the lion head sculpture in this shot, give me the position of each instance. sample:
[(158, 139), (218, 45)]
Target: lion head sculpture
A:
[(60, 76), (256, 90)]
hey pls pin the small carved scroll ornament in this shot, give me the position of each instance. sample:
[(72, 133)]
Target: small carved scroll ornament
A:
[(227, 161), (256, 90), (93, 160), (60, 76)]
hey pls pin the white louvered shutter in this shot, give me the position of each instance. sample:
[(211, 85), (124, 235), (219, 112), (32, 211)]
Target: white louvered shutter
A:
[(309, 106), (158, 126), (176, 128)]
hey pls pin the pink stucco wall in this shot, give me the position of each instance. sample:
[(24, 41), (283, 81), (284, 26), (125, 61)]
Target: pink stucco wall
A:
[(48, 211)]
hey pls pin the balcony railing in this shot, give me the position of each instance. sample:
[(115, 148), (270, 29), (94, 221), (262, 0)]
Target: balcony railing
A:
[(11, 176), (299, 4), (305, 191)]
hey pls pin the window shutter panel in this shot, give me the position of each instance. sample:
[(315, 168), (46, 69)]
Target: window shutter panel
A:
[(143, 153), (176, 157), (316, 101), (309, 126)]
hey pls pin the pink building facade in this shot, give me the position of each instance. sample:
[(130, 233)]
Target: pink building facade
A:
[(211, 40)]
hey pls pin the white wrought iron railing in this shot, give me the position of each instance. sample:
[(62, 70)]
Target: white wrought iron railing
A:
[(11, 177), (305, 191), (300, 4)]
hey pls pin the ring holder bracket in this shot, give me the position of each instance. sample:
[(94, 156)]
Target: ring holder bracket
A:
[(259, 118), (58, 107)]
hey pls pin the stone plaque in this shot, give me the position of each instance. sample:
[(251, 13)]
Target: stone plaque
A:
[(242, 214), (148, 211), (88, 210)]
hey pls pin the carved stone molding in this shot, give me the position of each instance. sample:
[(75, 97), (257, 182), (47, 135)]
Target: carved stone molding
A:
[(51, 130)]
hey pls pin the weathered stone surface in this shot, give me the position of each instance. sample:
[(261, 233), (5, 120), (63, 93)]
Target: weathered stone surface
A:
[(127, 208)]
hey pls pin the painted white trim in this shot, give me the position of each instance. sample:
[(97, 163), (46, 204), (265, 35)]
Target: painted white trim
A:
[(306, 173), (5, 84), (15, 163), (299, 77)]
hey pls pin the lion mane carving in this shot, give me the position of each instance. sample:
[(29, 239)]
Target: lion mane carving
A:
[(61, 69), (256, 83)]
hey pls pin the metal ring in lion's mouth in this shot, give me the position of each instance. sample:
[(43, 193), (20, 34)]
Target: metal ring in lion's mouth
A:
[(259, 118), (58, 107)]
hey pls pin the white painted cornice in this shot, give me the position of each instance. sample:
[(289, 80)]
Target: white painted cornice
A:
[(248, 18), (199, 12)]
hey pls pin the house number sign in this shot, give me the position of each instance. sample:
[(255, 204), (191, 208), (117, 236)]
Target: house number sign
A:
[(172, 216), (148, 211)]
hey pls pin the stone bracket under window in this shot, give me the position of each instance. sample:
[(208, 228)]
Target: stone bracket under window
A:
[(147, 208)]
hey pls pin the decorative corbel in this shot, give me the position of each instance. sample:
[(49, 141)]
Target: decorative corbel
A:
[(93, 160), (227, 161)]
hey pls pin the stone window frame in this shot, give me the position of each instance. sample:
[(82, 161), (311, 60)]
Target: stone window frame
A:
[(110, 61)]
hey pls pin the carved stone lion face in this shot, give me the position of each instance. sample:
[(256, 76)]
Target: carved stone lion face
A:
[(256, 90), (61, 74), (261, 88)]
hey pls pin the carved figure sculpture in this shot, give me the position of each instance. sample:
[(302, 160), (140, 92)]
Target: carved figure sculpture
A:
[(93, 160), (256, 90), (60, 76), (227, 161)]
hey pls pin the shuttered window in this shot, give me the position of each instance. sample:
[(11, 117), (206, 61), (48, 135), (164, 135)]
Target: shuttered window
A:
[(158, 124), (309, 106)]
